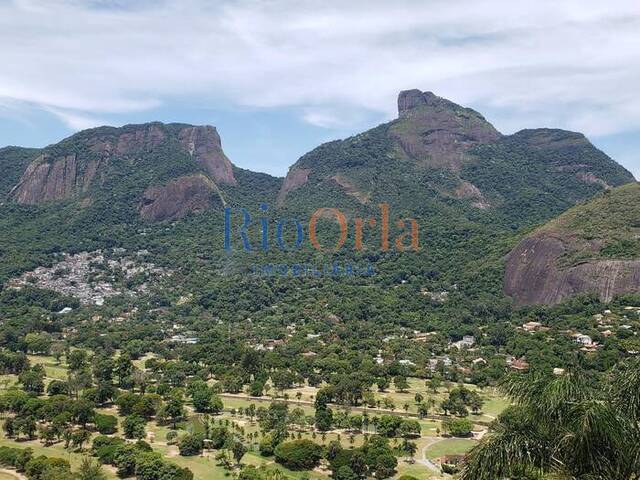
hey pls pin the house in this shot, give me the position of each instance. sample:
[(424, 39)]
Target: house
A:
[(558, 371), (479, 361), (583, 339), (467, 341), (433, 362), (422, 336), (272, 344), (407, 363), (183, 340), (531, 326), (519, 364), (607, 333)]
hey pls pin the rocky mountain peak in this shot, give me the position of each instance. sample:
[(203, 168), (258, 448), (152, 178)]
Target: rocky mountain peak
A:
[(437, 132), (72, 166), (410, 99), (203, 143)]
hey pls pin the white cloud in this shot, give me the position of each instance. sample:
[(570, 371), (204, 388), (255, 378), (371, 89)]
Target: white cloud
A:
[(74, 120), (572, 64)]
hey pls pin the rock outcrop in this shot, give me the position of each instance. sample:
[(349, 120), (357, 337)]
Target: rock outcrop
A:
[(47, 179), (430, 131), (534, 274), (296, 178), (592, 248), (184, 195), (203, 144), (72, 166), (437, 132)]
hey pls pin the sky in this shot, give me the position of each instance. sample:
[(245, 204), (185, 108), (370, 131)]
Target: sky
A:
[(279, 77)]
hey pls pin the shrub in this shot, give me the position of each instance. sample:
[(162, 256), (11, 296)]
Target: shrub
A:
[(106, 424), (458, 427), (124, 459), (57, 387), (105, 448), (171, 437), (299, 454), (43, 468), (266, 445), (190, 444), (9, 456), (133, 426)]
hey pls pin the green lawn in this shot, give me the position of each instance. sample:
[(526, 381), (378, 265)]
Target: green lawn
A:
[(56, 450), (450, 446), (51, 367)]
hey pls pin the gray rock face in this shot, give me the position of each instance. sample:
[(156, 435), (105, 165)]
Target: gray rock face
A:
[(437, 132), (296, 177), (47, 179), (184, 195), (203, 143), (534, 274)]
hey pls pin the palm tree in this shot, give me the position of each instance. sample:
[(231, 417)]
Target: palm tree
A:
[(568, 427)]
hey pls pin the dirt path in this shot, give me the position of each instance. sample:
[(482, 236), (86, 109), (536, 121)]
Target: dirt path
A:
[(424, 460), (13, 473)]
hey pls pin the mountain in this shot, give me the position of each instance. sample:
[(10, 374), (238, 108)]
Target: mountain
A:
[(439, 151), (89, 160), (162, 188), (104, 187), (592, 248)]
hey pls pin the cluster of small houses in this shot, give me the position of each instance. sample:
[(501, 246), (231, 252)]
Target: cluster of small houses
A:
[(87, 275), (586, 343)]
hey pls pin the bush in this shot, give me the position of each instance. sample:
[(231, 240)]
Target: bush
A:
[(171, 437), (266, 445), (124, 459), (133, 426), (299, 454), (43, 468), (458, 427), (106, 424), (151, 466), (57, 387), (191, 444), (9, 456), (105, 448)]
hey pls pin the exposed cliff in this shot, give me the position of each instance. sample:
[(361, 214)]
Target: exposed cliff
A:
[(184, 195), (72, 167), (437, 132), (592, 248)]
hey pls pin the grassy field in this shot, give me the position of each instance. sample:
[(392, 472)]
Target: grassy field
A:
[(56, 450), (494, 403), (449, 446)]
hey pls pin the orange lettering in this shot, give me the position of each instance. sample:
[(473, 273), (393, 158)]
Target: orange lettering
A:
[(342, 221)]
